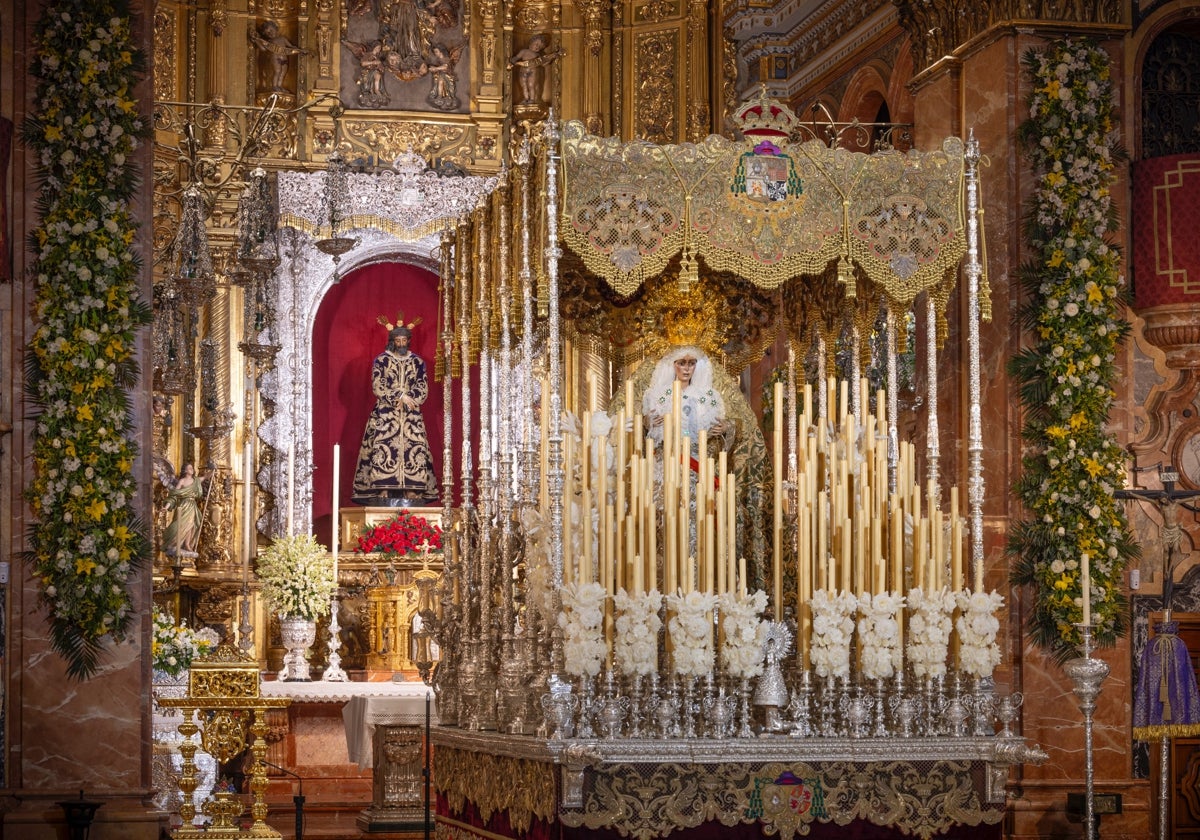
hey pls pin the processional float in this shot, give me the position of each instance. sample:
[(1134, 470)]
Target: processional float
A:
[(774, 620), (761, 625)]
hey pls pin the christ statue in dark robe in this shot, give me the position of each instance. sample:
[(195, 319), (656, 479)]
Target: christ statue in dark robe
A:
[(395, 467)]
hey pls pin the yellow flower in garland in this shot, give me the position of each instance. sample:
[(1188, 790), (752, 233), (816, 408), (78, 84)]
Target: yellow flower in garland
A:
[(84, 235), (1074, 465)]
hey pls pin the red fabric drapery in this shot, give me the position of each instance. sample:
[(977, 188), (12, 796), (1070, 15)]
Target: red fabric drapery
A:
[(1166, 250), (346, 339)]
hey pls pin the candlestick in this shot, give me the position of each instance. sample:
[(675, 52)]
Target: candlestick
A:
[(336, 532), (334, 672), (731, 528), (956, 557), (1086, 586), (1087, 674)]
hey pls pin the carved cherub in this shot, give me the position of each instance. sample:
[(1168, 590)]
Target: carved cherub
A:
[(529, 63), (370, 65), (443, 92), (270, 40)]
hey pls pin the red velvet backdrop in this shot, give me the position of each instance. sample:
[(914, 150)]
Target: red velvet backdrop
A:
[(1166, 212), (346, 340)]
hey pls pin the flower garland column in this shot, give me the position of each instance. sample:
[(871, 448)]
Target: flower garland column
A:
[(85, 544), (1075, 301)]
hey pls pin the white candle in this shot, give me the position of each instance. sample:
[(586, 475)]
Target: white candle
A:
[(336, 531), (1086, 581), (247, 500), (291, 487)]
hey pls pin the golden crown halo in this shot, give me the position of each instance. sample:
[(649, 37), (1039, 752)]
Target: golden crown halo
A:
[(383, 321), (691, 317)]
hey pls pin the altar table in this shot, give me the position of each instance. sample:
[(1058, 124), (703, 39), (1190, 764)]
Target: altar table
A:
[(384, 726)]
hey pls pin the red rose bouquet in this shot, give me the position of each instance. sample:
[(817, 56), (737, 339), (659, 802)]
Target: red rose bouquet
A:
[(404, 533)]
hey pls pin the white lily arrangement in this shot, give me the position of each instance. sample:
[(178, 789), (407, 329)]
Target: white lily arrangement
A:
[(977, 625), (691, 629), (582, 620), (297, 577), (879, 630), (832, 628), (743, 633), (930, 620), (635, 648)]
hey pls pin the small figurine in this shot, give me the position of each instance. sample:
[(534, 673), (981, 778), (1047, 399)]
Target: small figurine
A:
[(529, 63), (269, 40)]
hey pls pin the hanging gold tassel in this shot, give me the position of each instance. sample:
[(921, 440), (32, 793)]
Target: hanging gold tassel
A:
[(845, 276), (689, 270)]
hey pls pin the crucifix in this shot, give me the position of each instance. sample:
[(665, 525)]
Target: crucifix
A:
[(1166, 701), (1169, 500)]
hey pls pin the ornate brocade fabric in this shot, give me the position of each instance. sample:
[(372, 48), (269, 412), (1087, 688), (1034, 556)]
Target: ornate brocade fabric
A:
[(394, 459)]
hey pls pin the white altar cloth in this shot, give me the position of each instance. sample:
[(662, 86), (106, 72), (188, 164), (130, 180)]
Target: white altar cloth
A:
[(367, 703)]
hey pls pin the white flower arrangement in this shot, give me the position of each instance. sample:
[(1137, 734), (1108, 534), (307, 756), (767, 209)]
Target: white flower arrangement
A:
[(297, 577), (635, 647), (832, 629), (582, 620), (880, 634), (690, 627), (743, 633), (930, 620), (978, 653), (174, 647)]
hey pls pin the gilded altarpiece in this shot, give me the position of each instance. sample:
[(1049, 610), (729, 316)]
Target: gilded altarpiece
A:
[(660, 73)]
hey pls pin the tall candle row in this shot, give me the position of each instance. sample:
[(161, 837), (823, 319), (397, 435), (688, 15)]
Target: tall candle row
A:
[(662, 518), (854, 533), (665, 516)]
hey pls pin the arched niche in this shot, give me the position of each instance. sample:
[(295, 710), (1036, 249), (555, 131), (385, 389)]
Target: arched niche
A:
[(301, 284), (347, 337)]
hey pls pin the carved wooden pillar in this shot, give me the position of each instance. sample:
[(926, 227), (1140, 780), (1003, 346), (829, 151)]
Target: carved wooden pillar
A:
[(660, 71), (696, 73), (325, 39)]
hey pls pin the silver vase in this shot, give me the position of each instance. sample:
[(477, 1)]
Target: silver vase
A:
[(298, 635)]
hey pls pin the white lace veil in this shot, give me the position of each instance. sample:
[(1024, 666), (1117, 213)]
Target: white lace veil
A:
[(706, 402)]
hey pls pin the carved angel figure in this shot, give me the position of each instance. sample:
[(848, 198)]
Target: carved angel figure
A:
[(182, 535), (405, 68), (370, 67), (529, 63), (269, 40), (443, 91)]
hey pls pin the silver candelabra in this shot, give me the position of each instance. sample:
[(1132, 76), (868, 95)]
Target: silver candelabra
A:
[(1087, 674)]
